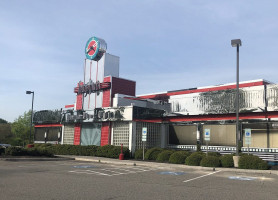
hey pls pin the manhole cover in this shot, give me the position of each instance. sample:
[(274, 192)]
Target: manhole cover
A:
[(84, 166), (242, 178), (171, 173)]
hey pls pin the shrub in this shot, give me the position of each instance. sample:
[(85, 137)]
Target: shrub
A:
[(227, 160), (111, 151), (116, 151), (210, 161), (179, 157), (152, 153), (2, 151), (214, 154), (164, 155), (91, 150), (194, 159), (15, 151), (103, 150), (19, 151), (39, 152), (139, 154), (251, 162)]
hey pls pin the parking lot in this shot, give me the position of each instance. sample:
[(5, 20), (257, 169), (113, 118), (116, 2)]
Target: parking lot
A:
[(92, 180)]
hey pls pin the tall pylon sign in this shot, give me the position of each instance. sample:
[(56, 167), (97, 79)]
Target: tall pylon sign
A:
[(98, 67)]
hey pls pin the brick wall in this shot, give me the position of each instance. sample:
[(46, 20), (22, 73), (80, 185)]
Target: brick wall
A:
[(79, 100), (77, 133), (122, 86), (106, 101), (105, 133)]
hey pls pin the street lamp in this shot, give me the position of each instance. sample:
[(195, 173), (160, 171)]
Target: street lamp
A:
[(30, 92), (237, 43)]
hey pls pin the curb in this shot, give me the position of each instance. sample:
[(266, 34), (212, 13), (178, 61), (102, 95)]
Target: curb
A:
[(36, 159), (168, 165)]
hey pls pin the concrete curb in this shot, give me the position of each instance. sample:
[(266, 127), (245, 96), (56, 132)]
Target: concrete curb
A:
[(36, 159), (166, 165)]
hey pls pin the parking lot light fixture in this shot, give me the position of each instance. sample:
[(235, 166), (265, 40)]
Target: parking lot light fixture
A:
[(237, 43), (31, 121)]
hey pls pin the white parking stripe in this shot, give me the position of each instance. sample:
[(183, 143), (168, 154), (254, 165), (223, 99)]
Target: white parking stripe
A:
[(201, 176), (89, 172), (114, 171)]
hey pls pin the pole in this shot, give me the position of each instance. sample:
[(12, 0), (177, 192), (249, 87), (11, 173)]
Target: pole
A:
[(143, 150), (31, 123), (237, 103), (207, 147)]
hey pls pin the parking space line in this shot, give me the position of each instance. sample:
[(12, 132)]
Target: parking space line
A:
[(201, 176), (128, 172), (89, 172), (114, 171)]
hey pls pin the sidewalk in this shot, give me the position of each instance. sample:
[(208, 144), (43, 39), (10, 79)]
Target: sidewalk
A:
[(162, 165)]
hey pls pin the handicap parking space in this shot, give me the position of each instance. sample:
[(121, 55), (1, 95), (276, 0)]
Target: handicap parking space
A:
[(109, 170)]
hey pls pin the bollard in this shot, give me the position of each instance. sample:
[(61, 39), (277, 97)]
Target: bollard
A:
[(121, 156)]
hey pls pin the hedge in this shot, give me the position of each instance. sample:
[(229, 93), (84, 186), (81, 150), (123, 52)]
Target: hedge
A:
[(139, 154), (108, 151), (252, 162), (19, 151), (152, 153), (111, 151), (194, 159), (179, 157), (227, 160), (217, 154), (210, 161), (2, 150), (164, 155)]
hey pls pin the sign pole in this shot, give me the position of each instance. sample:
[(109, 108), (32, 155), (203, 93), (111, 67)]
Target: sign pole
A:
[(207, 147), (144, 139), (248, 136), (207, 137), (143, 150)]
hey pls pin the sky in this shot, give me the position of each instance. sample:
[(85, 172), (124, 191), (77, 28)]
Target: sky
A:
[(162, 44)]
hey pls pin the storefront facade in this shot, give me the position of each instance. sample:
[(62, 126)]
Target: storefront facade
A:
[(107, 111)]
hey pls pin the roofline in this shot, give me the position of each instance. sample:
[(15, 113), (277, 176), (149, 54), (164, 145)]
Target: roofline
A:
[(242, 84)]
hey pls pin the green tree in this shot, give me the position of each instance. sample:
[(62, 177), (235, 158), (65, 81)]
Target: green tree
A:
[(5, 133), (2, 121), (21, 129)]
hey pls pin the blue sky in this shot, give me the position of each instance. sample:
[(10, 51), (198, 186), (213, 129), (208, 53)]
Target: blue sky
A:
[(163, 45)]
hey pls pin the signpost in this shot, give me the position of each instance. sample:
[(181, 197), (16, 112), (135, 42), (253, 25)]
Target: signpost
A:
[(247, 137), (207, 137), (144, 139)]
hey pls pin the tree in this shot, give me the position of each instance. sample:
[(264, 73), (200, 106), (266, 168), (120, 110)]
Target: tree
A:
[(21, 128), (5, 133), (2, 121)]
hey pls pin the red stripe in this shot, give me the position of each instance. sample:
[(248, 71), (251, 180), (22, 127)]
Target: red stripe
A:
[(48, 125), (69, 106), (213, 117), (226, 87)]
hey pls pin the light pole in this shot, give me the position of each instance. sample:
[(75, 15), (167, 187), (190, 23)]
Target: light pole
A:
[(30, 92), (237, 43)]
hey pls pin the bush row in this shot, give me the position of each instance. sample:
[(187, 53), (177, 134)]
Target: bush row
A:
[(20, 151), (108, 151), (213, 159)]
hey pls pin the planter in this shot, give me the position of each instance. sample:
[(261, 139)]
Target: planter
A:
[(236, 159)]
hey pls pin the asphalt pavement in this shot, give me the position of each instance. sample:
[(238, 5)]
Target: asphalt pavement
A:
[(103, 178)]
